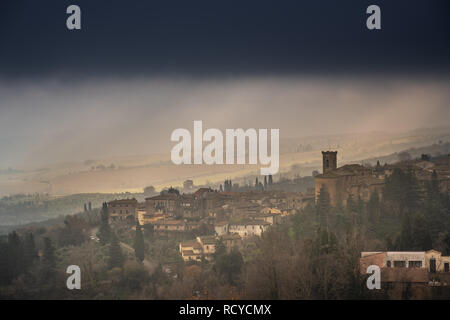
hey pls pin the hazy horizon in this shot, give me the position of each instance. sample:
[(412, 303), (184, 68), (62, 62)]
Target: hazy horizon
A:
[(53, 121)]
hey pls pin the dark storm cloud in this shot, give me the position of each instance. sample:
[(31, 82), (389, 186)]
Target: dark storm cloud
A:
[(205, 37)]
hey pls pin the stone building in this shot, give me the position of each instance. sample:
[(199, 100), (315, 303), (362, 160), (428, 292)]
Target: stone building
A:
[(361, 181), (167, 203), (191, 250), (124, 209), (353, 179), (221, 228), (204, 247), (409, 266), (172, 225), (248, 228), (231, 241), (329, 161)]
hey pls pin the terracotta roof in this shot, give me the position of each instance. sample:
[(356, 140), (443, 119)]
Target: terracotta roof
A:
[(220, 223), (345, 170), (123, 201), (194, 244), (187, 196), (371, 258), (250, 222), (201, 191), (169, 222), (166, 196), (189, 253), (228, 193), (208, 239), (231, 236)]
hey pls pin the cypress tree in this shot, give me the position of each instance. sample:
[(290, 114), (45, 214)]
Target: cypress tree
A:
[(434, 186), (421, 239), (139, 247), (234, 266), (220, 249), (30, 252), (15, 257), (227, 185), (116, 257), (403, 191), (405, 240), (412, 193), (5, 268), (352, 205), (373, 207), (48, 260), (104, 233), (323, 206), (326, 241), (360, 205)]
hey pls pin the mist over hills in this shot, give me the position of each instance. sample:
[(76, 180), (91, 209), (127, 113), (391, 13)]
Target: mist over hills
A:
[(133, 173)]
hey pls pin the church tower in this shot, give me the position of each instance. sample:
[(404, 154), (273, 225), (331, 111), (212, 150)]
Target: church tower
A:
[(329, 161)]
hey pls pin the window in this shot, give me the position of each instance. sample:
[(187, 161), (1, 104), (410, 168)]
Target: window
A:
[(446, 267), (399, 264), (415, 264), (432, 265), (388, 264)]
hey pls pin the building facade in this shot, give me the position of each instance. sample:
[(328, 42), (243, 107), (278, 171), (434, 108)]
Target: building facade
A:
[(124, 209)]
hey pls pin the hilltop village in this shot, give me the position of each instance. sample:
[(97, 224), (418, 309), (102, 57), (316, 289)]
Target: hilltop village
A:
[(304, 238), (235, 217), (231, 216)]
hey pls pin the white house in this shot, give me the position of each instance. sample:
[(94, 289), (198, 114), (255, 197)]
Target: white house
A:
[(249, 228)]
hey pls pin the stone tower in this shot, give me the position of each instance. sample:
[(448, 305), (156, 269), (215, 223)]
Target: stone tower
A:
[(329, 161)]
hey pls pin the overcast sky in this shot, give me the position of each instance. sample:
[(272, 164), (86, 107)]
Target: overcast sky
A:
[(139, 69)]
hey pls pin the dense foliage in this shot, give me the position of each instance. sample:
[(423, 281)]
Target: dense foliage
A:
[(313, 254)]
